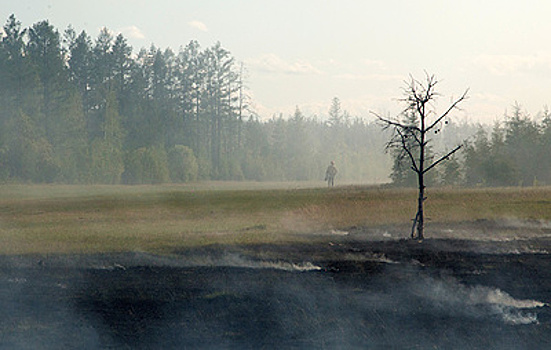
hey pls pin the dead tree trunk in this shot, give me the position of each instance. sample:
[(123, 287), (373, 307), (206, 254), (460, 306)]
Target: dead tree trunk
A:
[(411, 137), (420, 215)]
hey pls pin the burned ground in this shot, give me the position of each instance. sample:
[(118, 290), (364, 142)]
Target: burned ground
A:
[(342, 293)]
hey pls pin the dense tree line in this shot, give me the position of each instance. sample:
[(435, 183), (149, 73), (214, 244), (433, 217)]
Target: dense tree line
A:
[(75, 109), (514, 152)]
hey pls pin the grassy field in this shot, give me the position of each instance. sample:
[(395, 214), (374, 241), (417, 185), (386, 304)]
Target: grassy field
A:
[(87, 219)]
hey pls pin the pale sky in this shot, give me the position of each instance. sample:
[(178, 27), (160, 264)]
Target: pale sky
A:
[(305, 52)]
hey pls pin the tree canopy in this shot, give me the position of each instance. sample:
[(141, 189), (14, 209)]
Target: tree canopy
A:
[(82, 109), (79, 109)]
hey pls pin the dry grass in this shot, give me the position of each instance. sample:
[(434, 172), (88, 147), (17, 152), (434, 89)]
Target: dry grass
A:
[(87, 219)]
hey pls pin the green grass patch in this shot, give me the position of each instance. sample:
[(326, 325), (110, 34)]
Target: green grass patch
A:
[(88, 219)]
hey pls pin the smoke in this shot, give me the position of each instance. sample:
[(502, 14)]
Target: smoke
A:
[(476, 301), (523, 223), (236, 260), (392, 306), (230, 300), (513, 231)]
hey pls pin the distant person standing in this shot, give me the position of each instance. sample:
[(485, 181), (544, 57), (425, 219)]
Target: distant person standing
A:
[(330, 174)]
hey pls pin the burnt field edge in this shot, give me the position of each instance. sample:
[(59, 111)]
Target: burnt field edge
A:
[(435, 252), (342, 291)]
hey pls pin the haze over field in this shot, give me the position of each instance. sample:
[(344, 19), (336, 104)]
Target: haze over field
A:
[(307, 52)]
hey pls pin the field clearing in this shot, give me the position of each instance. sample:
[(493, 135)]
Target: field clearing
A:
[(48, 219)]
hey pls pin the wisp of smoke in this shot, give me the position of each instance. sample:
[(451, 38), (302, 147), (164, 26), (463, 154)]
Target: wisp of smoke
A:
[(287, 266), (478, 300), (509, 308), (237, 260), (223, 260)]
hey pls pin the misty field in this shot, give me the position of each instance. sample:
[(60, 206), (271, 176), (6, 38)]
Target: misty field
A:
[(161, 219)]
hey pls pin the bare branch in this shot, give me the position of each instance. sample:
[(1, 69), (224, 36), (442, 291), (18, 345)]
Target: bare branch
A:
[(417, 140), (403, 131), (452, 107), (416, 96), (388, 123), (447, 156), (407, 149)]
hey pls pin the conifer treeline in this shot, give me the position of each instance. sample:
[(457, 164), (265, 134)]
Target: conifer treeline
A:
[(79, 110), (514, 152)]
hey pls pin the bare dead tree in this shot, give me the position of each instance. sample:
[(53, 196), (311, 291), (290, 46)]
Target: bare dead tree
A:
[(410, 135)]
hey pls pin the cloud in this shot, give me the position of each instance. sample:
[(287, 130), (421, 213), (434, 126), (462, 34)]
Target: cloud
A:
[(485, 107), (132, 32), (369, 77), (274, 64), (369, 70), (503, 65), (198, 25), (375, 64)]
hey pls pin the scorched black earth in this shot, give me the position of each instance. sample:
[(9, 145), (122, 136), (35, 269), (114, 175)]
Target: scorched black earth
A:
[(343, 294)]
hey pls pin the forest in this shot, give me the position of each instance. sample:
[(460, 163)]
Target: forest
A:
[(82, 110)]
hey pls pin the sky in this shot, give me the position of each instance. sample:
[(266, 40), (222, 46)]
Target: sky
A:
[(303, 53)]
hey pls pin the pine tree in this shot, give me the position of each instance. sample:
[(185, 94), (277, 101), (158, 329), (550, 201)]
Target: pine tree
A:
[(107, 163)]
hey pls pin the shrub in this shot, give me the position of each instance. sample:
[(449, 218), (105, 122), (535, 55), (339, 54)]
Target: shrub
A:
[(183, 164), (146, 165)]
